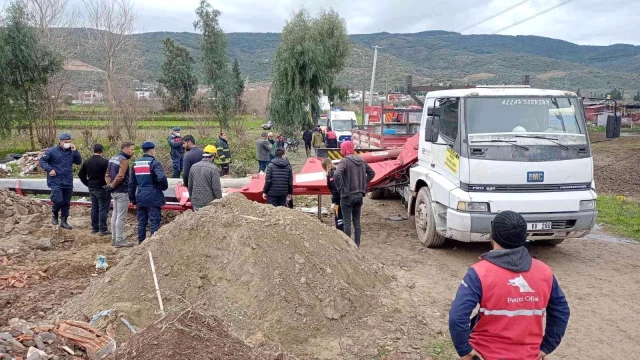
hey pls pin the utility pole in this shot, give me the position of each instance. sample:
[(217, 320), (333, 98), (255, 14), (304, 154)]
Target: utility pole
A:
[(373, 73)]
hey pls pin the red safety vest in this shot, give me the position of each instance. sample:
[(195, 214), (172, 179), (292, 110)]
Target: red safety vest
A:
[(511, 311), (331, 135)]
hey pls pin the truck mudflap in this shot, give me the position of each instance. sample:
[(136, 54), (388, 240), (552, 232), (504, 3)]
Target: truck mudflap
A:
[(470, 227)]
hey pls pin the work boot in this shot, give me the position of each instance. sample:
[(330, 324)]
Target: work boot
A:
[(124, 245), (64, 224), (54, 219)]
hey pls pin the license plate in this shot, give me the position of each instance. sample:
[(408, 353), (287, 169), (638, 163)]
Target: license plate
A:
[(539, 226)]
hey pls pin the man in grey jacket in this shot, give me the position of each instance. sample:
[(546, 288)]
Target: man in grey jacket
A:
[(263, 149), (351, 178), (204, 180)]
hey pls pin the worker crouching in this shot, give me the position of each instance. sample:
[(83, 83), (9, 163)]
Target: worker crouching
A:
[(146, 190), (514, 292), (204, 180)]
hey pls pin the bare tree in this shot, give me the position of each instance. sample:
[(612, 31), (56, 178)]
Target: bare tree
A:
[(45, 16), (111, 24)]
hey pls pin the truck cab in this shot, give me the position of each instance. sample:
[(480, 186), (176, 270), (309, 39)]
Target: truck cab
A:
[(342, 122), (489, 149)]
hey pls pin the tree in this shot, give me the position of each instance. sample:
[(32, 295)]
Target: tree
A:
[(238, 84), (27, 65), (110, 26), (46, 15), (177, 74), (311, 53), (637, 97), (215, 61), (615, 94)]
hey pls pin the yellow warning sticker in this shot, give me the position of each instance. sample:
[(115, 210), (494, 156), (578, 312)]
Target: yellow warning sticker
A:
[(452, 160)]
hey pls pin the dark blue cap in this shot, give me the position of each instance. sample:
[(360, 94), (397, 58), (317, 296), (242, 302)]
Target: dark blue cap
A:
[(176, 128), (148, 145), (65, 136)]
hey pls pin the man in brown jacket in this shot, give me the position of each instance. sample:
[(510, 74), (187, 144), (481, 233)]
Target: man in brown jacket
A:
[(352, 177), (117, 178)]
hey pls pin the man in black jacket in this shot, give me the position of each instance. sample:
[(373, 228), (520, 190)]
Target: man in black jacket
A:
[(193, 156), (278, 185), (306, 136), (92, 175)]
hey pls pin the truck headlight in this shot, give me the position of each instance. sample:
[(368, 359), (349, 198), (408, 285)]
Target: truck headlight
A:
[(587, 205), (473, 206)]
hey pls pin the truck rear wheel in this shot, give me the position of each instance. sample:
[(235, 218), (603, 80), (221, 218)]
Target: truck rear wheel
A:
[(377, 194), (425, 221)]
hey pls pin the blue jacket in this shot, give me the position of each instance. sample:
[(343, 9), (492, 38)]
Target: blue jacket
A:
[(175, 142), (469, 295), (60, 160), (148, 182)]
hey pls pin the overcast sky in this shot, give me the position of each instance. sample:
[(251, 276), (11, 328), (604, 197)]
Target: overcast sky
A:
[(594, 22)]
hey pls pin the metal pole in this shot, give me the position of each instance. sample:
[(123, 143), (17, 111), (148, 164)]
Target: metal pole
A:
[(373, 74), (320, 207)]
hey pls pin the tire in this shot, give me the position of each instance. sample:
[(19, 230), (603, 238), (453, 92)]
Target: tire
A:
[(377, 194), (425, 221), (553, 242)]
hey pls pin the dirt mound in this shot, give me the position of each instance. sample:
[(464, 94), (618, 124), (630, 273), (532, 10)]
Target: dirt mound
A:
[(189, 336), (21, 215), (273, 274)]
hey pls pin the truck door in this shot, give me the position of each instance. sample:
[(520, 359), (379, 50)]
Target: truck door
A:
[(445, 152)]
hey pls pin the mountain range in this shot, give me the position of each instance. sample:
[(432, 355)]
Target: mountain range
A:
[(430, 56)]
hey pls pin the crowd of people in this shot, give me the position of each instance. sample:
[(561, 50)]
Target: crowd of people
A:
[(513, 291), (120, 181)]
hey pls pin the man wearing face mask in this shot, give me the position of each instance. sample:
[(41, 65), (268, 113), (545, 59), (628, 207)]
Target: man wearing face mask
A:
[(177, 151), (58, 162)]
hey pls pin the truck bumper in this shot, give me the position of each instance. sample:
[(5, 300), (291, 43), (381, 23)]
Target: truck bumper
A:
[(471, 227)]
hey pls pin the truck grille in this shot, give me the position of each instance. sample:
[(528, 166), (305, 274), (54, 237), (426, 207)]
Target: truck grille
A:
[(562, 224), (525, 187)]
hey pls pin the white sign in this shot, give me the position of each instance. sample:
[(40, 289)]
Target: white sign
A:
[(539, 226), (311, 177)]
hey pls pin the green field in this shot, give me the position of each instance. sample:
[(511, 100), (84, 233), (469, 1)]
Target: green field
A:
[(159, 122), (620, 216)]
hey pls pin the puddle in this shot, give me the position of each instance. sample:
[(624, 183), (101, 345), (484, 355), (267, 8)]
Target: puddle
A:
[(599, 234)]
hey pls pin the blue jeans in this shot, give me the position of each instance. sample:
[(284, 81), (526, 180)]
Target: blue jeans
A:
[(100, 201), (352, 210), (61, 200), (263, 165), (148, 215)]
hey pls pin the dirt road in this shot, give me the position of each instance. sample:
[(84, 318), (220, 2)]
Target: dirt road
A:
[(599, 278)]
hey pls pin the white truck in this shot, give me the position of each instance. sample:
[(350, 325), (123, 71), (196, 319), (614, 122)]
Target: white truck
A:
[(342, 122), (488, 149)]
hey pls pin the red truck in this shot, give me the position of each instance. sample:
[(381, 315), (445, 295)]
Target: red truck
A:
[(397, 127)]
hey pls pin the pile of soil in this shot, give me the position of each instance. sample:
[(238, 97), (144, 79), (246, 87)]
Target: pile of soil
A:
[(21, 215), (191, 335), (275, 275)]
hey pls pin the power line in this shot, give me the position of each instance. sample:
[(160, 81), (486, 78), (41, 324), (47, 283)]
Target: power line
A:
[(532, 16), (493, 16)]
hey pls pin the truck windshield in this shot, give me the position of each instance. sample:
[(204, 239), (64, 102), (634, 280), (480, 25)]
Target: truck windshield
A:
[(342, 125), (521, 115), (322, 122)]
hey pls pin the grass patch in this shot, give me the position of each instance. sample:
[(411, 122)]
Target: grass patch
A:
[(442, 349), (620, 215)]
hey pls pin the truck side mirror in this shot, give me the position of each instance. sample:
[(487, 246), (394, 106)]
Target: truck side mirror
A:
[(431, 129), (613, 126)]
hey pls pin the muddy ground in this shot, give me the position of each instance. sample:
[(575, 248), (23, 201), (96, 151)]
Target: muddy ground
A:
[(598, 275)]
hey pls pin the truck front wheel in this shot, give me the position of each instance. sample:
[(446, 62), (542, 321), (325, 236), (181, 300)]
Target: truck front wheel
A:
[(425, 221)]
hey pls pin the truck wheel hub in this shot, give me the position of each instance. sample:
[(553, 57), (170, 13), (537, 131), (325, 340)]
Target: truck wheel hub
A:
[(422, 216)]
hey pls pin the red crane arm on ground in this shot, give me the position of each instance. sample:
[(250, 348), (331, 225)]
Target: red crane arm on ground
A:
[(311, 180)]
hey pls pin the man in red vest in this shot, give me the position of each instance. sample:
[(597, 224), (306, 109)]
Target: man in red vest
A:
[(514, 292)]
